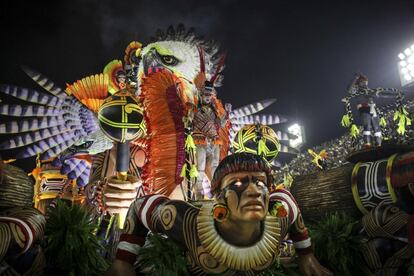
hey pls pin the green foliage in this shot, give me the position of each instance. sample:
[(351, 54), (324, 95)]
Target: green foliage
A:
[(354, 131), (403, 120), (337, 247), (163, 256), (274, 270), (72, 248), (383, 122), (345, 122), (410, 267), (277, 269)]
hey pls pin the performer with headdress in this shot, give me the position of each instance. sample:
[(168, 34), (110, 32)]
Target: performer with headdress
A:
[(370, 113), (209, 118)]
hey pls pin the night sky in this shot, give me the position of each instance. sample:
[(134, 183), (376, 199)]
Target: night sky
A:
[(304, 54)]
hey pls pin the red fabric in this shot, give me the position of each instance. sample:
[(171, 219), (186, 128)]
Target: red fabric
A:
[(151, 209), (125, 256), (296, 237), (284, 191), (132, 239), (304, 251)]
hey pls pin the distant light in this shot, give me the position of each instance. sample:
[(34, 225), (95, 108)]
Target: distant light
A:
[(296, 130), (406, 66)]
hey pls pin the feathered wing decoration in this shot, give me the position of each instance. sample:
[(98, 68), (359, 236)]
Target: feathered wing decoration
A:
[(164, 109), (111, 69), (45, 82), (91, 91), (251, 108), (51, 123)]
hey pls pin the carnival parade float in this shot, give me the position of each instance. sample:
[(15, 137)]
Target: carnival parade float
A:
[(141, 169)]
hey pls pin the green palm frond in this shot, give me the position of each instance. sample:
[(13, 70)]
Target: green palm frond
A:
[(72, 247), (163, 256), (337, 246)]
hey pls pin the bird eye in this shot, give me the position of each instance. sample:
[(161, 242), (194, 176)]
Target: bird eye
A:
[(169, 60), (87, 144)]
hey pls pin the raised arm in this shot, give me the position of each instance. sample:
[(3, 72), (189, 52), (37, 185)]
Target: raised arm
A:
[(155, 213)]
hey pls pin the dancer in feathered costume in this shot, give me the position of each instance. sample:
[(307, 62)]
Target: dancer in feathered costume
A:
[(209, 119)]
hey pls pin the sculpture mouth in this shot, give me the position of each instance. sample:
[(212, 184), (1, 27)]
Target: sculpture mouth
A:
[(253, 204)]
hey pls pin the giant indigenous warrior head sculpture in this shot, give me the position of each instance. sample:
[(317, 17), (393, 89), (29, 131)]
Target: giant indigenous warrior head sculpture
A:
[(232, 187), (237, 163)]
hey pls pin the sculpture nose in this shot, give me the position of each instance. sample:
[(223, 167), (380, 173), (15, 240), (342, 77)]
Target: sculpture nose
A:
[(253, 191)]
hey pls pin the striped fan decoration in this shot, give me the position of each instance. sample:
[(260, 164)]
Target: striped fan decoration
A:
[(47, 123)]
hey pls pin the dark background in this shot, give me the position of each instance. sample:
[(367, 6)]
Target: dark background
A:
[(304, 54)]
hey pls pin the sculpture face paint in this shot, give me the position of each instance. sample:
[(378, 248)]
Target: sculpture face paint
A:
[(246, 195)]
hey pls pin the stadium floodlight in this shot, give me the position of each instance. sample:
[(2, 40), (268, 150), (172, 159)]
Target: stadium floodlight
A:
[(406, 66), (296, 130)]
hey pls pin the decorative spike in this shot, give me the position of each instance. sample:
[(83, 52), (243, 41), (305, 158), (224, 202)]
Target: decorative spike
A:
[(170, 32), (30, 124), (44, 82), (30, 95), (28, 110), (28, 138), (190, 33), (270, 119), (160, 34), (180, 30)]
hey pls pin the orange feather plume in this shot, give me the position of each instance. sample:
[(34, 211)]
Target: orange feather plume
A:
[(91, 91), (224, 131), (165, 143), (110, 70), (132, 49)]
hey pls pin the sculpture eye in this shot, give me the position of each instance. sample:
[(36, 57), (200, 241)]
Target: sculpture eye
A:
[(238, 183), (169, 60), (260, 183)]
